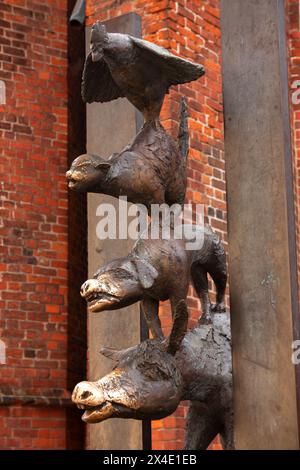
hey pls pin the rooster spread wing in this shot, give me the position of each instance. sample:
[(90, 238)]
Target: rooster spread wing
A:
[(99, 85), (174, 69)]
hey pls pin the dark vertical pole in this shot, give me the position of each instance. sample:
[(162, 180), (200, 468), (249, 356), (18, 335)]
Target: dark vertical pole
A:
[(146, 426), (77, 235)]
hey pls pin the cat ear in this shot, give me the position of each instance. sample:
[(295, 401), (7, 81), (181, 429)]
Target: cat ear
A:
[(103, 165)]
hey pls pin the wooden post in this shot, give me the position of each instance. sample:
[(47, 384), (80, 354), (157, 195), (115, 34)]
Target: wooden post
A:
[(262, 254)]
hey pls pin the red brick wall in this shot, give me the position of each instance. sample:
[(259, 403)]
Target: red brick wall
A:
[(34, 205), (191, 30)]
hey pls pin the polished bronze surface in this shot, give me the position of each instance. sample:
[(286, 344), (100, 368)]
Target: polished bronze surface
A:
[(149, 380)]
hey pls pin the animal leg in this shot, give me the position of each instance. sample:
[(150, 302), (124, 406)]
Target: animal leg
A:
[(150, 310), (180, 322), (220, 280), (201, 428), (200, 282), (227, 435), (219, 276)]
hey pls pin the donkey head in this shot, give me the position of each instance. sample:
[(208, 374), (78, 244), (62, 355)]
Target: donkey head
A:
[(144, 384)]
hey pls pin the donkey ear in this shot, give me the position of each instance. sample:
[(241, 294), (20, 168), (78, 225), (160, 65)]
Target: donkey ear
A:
[(110, 353), (115, 354), (146, 273), (179, 327)]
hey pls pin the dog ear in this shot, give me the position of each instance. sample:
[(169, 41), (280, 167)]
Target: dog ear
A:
[(146, 273)]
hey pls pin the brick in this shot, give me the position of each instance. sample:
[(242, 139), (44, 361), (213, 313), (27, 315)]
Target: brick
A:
[(33, 176)]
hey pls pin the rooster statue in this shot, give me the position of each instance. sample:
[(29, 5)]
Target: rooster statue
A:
[(120, 65)]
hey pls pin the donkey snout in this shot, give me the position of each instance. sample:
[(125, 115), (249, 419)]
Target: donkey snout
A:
[(89, 287), (87, 394)]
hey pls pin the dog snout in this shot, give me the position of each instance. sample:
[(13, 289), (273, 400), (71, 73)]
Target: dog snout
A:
[(69, 174)]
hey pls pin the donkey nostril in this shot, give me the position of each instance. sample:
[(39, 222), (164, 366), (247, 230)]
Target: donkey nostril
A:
[(83, 288), (85, 394)]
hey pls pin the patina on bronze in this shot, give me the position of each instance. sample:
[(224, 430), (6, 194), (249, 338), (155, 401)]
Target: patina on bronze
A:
[(149, 381), (157, 270), (120, 65), (150, 170)]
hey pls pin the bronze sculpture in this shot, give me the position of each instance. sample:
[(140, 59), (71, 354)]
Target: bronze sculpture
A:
[(150, 170), (121, 65), (157, 270), (149, 380)]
